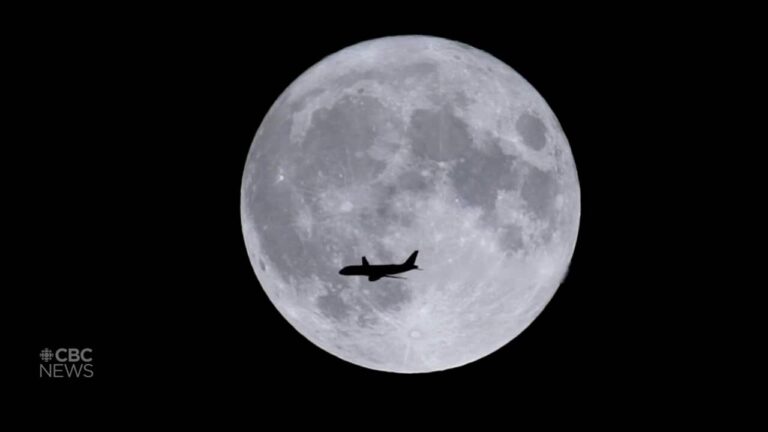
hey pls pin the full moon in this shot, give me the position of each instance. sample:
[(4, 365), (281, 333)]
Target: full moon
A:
[(400, 144)]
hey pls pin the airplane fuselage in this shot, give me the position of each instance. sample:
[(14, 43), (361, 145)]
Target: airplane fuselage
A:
[(358, 270)]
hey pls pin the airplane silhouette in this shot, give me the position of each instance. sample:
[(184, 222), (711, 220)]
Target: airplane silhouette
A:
[(376, 272)]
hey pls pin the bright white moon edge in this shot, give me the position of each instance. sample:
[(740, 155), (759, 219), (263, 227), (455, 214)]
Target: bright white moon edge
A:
[(399, 144)]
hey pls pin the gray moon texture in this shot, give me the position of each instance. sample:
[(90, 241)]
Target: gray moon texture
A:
[(406, 143)]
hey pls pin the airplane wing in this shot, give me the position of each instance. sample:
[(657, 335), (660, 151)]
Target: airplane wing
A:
[(395, 277)]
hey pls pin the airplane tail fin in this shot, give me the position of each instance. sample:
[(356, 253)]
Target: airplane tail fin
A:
[(411, 261), (365, 262)]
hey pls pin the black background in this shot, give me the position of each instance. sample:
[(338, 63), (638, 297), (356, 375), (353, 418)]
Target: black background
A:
[(125, 178)]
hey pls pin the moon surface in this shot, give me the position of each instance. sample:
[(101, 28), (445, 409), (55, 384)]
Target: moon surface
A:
[(406, 143)]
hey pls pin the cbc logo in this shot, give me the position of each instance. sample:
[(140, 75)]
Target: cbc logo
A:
[(64, 355), (69, 363)]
